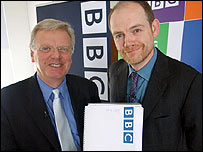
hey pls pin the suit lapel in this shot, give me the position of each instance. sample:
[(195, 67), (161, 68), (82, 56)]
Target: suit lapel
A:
[(121, 79), (37, 109), (157, 84), (76, 97)]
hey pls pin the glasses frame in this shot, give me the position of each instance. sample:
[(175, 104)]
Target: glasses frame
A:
[(47, 49)]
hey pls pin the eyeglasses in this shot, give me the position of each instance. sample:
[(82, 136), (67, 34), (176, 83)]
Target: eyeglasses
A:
[(47, 49)]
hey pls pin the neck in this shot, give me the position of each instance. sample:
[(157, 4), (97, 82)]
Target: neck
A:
[(52, 82), (140, 65)]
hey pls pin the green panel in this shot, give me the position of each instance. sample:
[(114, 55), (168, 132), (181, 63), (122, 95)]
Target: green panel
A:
[(119, 57), (161, 40)]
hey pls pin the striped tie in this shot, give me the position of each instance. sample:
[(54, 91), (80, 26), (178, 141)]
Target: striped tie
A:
[(134, 77)]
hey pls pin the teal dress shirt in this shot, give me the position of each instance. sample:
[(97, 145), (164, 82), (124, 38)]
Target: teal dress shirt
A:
[(143, 79)]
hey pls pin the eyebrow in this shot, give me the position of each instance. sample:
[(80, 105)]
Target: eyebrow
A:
[(132, 27), (135, 26), (115, 33)]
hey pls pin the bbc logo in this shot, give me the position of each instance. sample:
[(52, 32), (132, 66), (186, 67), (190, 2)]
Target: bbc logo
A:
[(128, 124)]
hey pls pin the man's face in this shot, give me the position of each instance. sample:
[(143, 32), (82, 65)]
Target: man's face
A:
[(52, 65), (133, 35)]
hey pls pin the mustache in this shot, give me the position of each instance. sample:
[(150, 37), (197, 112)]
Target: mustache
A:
[(129, 49)]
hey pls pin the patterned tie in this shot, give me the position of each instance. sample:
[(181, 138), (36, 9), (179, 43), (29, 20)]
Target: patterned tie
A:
[(62, 125), (134, 77)]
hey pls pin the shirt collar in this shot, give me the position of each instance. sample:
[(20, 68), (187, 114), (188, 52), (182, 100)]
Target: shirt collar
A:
[(47, 90), (145, 72), (62, 88)]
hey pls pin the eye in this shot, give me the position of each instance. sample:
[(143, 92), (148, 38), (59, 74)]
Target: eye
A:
[(117, 36), (136, 31), (63, 49), (45, 49)]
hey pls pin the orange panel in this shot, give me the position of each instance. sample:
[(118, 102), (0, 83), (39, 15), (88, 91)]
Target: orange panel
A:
[(193, 10)]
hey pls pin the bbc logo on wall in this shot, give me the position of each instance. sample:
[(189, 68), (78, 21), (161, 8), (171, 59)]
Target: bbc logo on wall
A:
[(91, 57), (93, 14), (180, 35), (94, 21)]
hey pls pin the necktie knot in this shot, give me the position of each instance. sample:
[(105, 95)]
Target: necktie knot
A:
[(134, 76)]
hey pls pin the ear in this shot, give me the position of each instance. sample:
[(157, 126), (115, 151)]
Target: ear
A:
[(32, 55), (155, 27)]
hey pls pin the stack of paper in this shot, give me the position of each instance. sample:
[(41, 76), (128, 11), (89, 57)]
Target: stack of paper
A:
[(111, 127)]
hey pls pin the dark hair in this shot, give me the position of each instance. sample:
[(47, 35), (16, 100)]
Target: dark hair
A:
[(144, 4)]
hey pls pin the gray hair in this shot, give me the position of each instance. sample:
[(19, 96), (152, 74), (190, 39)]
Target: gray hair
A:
[(52, 24)]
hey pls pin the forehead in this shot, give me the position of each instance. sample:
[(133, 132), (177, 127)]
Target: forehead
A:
[(52, 37), (127, 13), (134, 6), (52, 34)]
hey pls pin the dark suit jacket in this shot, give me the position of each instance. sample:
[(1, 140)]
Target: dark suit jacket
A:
[(25, 124), (172, 104)]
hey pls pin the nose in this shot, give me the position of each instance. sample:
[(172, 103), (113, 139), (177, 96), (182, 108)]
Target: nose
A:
[(55, 53), (129, 40)]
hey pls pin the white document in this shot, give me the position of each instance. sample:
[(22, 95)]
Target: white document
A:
[(113, 127)]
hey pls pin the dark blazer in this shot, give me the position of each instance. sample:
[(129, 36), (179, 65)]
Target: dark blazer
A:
[(25, 123), (172, 104)]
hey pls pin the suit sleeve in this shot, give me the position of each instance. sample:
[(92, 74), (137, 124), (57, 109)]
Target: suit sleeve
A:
[(7, 138), (192, 115), (94, 93)]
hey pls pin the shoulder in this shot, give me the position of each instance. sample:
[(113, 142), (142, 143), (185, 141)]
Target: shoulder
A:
[(17, 87), (79, 80), (185, 72), (118, 63), (77, 77), (81, 86), (15, 94), (176, 67), (117, 66)]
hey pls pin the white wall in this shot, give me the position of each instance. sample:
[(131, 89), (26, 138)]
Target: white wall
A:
[(15, 59), (31, 10), (113, 3), (18, 18)]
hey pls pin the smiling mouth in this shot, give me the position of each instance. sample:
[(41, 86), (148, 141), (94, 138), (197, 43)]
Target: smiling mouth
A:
[(132, 51), (56, 65)]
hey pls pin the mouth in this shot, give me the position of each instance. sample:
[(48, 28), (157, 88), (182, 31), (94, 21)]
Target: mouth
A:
[(55, 65), (129, 52), (132, 51)]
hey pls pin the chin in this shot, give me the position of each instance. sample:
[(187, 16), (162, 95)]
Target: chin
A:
[(56, 76)]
